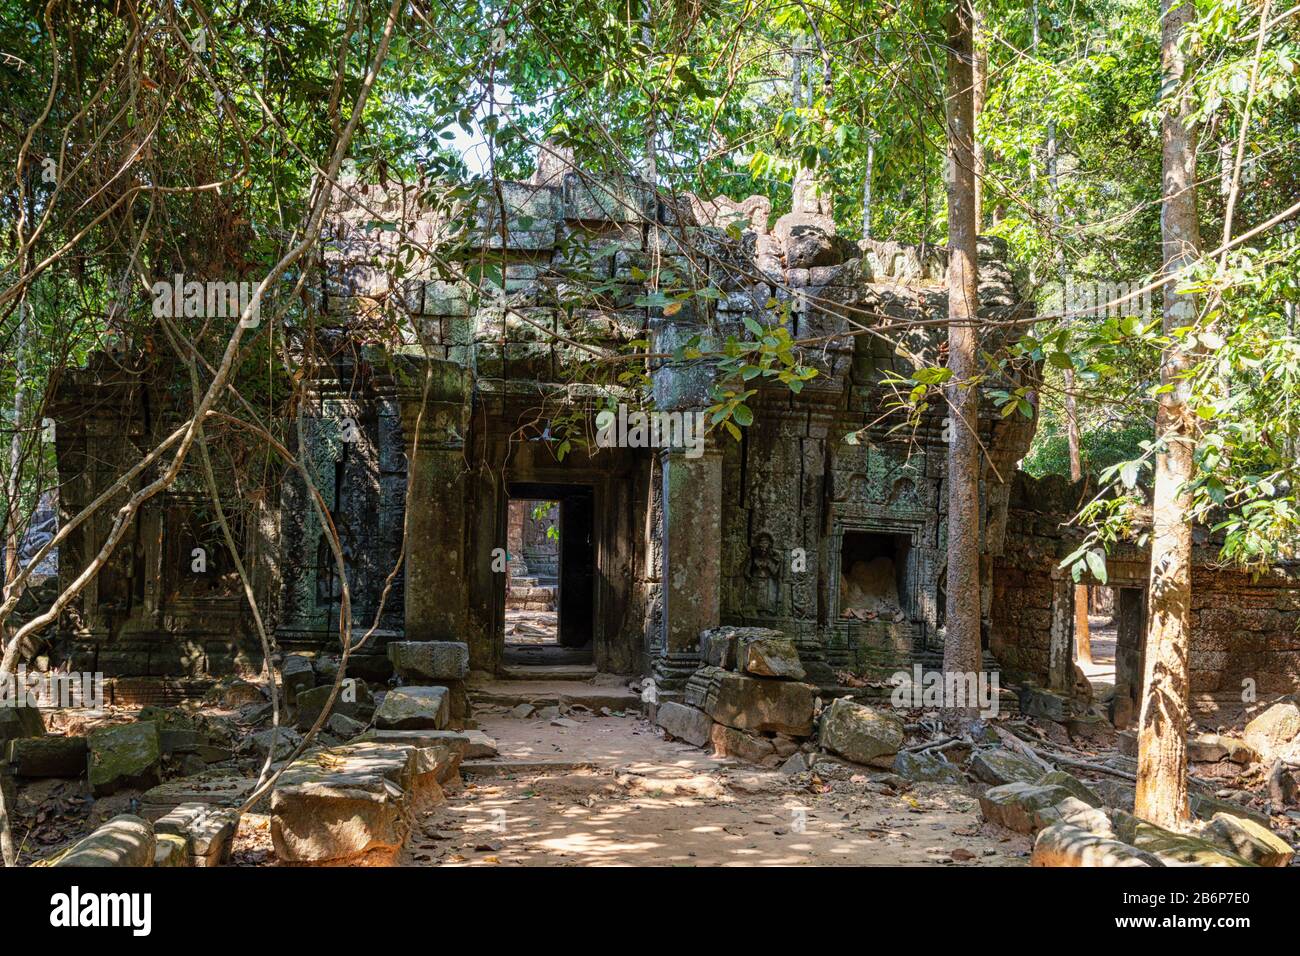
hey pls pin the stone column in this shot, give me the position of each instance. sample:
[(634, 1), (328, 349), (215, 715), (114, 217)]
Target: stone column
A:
[(435, 587), (692, 561), (1060, 660), (691, 513)]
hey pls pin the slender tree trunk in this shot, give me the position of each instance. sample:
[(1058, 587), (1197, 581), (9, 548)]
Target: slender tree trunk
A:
[(979, 87), (1162, 727), (961, 650)]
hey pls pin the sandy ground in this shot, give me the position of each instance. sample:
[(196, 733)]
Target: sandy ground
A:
[(619, 794), (1102, 642)]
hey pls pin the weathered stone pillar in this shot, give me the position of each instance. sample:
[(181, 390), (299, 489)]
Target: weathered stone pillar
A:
[(692, 564), (691, 513), (435, 587), (1060, 660)]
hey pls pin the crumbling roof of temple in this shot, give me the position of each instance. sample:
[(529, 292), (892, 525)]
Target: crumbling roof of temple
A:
[(540, 279)]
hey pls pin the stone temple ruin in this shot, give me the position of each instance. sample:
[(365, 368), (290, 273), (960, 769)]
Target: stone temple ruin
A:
[(823, 526), (754, 590)]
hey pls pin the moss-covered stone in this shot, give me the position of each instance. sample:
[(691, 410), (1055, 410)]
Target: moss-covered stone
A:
[(125, 755)]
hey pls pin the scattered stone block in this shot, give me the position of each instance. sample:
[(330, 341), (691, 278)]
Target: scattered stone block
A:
[(860, 733), (685, 723), (285, 740), (430, 660), (718, 647), (353, 804), (125, 840), (522, 711), (1248, 840), (1026, 808), (750, 748), (1172, 849), (360, 706), (1068, 781), (296, 675), (928, 768), (797, 763), (1062, 844), (413, 708), (1205, 806), (752, 703), (47, 756), (170, 850), (1276, 731), (18, 722), (124, 755), (469, 744), (215, 787), (1040, 702), (769, 657), (235, 692), (1213, 748), (344, 727), (207, 830), (1002, 766)]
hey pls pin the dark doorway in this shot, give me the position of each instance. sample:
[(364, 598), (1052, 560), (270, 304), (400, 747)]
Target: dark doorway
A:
[(552, 527)]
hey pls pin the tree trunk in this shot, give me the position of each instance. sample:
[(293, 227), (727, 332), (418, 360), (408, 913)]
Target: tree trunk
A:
[(961, 650), (1162, 727), (979, 85)]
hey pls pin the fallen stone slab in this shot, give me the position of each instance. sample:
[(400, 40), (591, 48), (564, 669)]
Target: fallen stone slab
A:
[(1213, 748), (1172, 849), (468, 744), (1276, 731), (215, 787), (17, 722), (860, 733), (208, 831), (171, 850), (344, 727), (685, 723), (1204, 807), (283, 739), (1040, 702), (414, 708), (123, 755), (1062, 844), (430, 660), (1248, 840), (125, 840), (1002, 766), (354, 804), (1026, 808), (1068, 781), (753, 703), (354, 700), (750, 748), (927, 768), (769, 657), (33, 757)]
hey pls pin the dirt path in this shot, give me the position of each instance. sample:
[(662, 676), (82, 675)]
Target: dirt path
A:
[(619, 794)]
